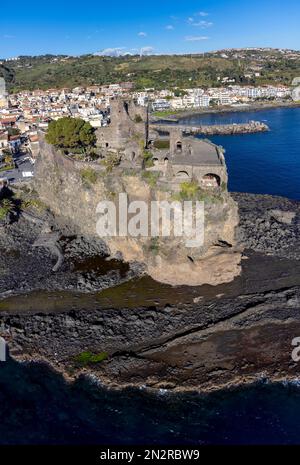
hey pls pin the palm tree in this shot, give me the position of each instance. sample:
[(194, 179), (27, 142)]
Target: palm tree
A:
[(6, 207)]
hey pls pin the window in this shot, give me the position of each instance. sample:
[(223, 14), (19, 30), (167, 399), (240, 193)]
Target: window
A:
[(179, 146)]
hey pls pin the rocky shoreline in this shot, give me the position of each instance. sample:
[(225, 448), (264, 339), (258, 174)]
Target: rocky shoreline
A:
[(205, 339), (226, 109)]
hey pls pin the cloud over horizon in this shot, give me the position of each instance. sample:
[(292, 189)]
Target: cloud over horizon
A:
[(195, 38)]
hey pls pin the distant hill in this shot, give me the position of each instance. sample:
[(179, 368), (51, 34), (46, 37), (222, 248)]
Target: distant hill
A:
[(260, 66)]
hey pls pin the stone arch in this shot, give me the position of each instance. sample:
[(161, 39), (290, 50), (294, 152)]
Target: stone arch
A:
[(155, 161), (182, 175), (211, 180)]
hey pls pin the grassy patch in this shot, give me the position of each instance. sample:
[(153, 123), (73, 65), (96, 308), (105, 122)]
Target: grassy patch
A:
[(162, 144), (7, 167), (192, 191), (89, 358), (88, 176)]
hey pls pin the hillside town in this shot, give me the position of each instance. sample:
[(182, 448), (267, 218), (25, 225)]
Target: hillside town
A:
[(23, 114)]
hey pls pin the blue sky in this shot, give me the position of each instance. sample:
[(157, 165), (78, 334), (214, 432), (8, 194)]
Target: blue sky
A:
[(76, 27)]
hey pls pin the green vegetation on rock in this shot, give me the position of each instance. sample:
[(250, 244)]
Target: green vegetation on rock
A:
[(6, 207), (191, 190), (88, 176), (89, 358), (148, 158), (111, 161), (151, 177)]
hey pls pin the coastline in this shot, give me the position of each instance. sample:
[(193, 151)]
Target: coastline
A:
[(225, 109), (105, 383), (227, 336)]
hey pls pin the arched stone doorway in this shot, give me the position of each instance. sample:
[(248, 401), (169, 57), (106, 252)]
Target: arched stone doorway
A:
[(179, 146), (210, 180)]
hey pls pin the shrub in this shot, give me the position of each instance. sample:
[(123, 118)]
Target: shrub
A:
[(189, 190), (138, 119), (151, 177), (223, 186), (148, 159), (110, 161), (36, 204), (88, 176), (6, 207)]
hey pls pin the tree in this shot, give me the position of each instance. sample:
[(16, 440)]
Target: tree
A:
[(71, 133)]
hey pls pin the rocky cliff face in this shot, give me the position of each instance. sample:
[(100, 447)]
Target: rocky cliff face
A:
[(72, 190)]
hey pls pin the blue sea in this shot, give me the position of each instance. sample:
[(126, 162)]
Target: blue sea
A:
[(38, 407), (263, 163)]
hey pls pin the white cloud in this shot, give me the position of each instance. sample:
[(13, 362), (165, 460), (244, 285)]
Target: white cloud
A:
[(116, 51), (142, 34), (202, 24), (169, 27), (195, 38), (122, 51), (202, 13), (146, 50)]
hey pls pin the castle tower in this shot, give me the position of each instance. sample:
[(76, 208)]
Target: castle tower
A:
[(176, 141), (127, 121)]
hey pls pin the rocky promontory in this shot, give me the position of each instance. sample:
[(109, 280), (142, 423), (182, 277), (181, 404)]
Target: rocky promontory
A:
[(73, 189)]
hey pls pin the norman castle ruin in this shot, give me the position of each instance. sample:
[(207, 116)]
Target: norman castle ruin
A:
[(175, 156)]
